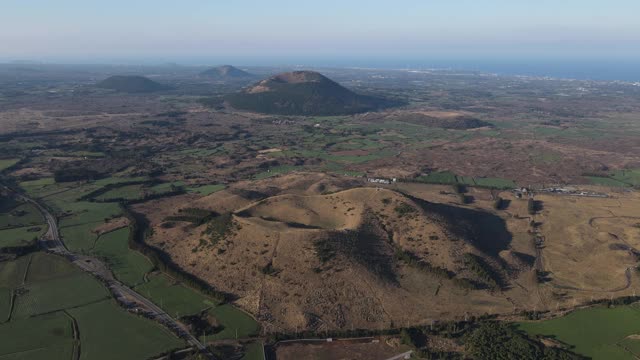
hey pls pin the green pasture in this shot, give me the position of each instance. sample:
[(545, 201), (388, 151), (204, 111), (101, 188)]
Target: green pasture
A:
[(128, 266), (108, 332), (20, 216), (50, 284), (127, 192), (205, 190), (276, 171), (618, 178), (176, 299), (235, 323), (254, 351), (7, 163), (595, 332), (45, 337), (20, 236)]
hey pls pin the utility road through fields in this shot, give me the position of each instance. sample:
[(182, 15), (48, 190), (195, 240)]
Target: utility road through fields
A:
[(51, 242)]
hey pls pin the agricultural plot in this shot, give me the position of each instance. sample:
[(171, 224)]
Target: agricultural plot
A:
[(496, 183), (45, 267), (35, 187), (137, 191), (127, 192), (336, 157), (166, 187), (5, 304), (117, 180), (205, 190), (276, 171), (605, 181), (50, 284), (127, 265), (596, 332), (13, 272), (21, 215), (620, 178), (357, 144), (236, 323), (175, 299), (7, 204), (254, 351), (7, 163), (340, 169), (55, 294), (79, 237), (20, 236), (83, 212), (108, 332), (46, 337)]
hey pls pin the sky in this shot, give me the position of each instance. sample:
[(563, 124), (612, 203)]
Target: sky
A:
[(282, 31)]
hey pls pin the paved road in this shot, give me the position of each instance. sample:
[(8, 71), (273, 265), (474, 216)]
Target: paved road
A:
[(51, 242)]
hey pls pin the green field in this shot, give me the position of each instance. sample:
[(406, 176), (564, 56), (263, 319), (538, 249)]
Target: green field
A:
[(177, 300), (53, 284), (594, 332), (79, 237), (65, 289), (37, 186), (205, 190), (12, 272), (127, 265), (235, 323), (45, 267), (127, 192), (7, 163), (117, 180), (53, 293), (604, 181), (57, 294), (20, 236), (166, 187), (44, 337), (619, 178), (108, 332), (85, 212), (5, 303), (254, 351), (347, 159), (276, 171), (21, 215)]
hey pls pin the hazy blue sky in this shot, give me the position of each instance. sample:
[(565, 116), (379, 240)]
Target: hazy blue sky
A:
[(275, 30)]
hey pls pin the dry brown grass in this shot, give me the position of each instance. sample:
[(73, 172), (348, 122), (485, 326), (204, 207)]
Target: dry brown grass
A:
[(379, 350), (304, 293)]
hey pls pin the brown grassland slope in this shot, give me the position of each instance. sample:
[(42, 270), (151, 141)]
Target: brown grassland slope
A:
[(314, 251)]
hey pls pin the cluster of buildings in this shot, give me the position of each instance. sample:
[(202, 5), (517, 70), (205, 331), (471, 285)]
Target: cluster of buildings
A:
[(381, 180), (524, 192)]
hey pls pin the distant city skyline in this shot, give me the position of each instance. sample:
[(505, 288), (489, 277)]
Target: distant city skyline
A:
[(327, 32)]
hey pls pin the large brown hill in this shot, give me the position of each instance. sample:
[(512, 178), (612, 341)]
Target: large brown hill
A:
[(303, 93), (313, 252)]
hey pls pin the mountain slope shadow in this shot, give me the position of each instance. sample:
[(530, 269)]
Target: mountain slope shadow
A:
[(368, 246), (485, 231)]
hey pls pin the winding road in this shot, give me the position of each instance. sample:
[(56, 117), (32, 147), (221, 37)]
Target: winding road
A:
[(52, 242)]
